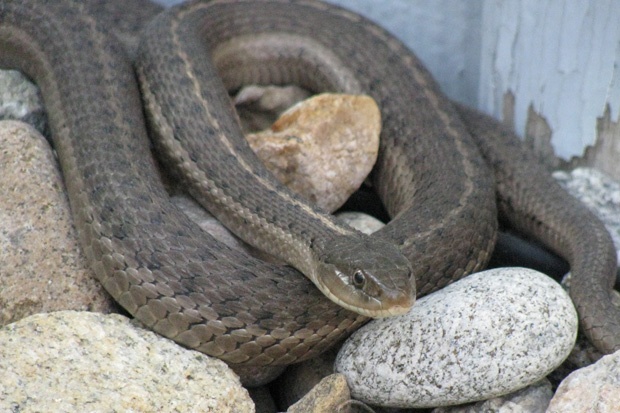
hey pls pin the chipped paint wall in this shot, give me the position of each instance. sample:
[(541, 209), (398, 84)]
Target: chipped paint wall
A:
[(554, 65), (550, 68)]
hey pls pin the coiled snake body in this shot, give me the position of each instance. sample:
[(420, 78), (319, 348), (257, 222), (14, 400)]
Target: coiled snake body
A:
[(185, 285)]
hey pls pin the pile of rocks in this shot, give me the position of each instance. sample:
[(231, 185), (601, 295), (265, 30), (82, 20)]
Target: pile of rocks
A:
[(496, 339)]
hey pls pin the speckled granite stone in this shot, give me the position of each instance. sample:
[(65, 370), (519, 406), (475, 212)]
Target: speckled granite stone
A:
[(79, 361), (360, 221), (20, 100), (41, 268), (598, 192), (489, 334)]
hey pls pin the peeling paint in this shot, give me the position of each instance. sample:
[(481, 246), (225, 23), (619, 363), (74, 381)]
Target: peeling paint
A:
[(605, 153), (560, 61)]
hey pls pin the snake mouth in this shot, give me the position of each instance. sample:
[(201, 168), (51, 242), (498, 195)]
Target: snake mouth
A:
[(375, 308)]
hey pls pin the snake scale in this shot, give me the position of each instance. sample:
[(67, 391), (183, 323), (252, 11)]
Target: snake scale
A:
[(185, 285)]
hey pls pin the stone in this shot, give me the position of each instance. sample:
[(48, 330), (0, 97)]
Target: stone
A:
[(20, 100), (361, 221), (323, 147), (598, 192), (484, 336), (595, 388), (263, 401), (79, 361), (532, 399), (330, 395), (259, 106), (42, 268), (299, 379)]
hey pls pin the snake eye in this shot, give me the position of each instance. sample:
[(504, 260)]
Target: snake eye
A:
[(359, 279)]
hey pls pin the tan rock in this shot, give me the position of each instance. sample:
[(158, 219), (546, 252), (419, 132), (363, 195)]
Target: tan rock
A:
[(595, 388), (41, 268), (299, 379), (76, 361), (322, 148), (330, 395)]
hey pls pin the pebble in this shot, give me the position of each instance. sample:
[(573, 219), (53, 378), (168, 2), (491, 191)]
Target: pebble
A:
[(598, 192), (80, 361), (532, 399), (259, 106), (330, 395), (20, 100), (595, 388), (41, 289), (487, 335), (323, 147), (360, 221)]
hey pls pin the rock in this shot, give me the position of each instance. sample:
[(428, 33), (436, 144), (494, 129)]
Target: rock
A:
[(360, 221), (42, 267), (330, 395), (262, 399), (299, 379), (598, 192), (20, 100), (595, 388), (323, 147), (487, 335), (259, 106), (532, 399), (78, 361)]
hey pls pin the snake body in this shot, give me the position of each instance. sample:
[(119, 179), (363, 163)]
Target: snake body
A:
[(187, 286)]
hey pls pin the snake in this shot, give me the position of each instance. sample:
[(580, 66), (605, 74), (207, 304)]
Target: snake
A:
[(443, 173)]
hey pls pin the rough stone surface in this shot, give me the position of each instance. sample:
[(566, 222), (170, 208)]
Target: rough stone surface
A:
[(259, 106), (487, 335), (323, 147), (20, 100), (263, 402), (330, 395), (598, 192), (362, 222), (78, 361), (532, 399), (300, 378), (41, 268), (592, 389)]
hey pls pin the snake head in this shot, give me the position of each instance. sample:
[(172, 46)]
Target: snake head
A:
[(368, 276)]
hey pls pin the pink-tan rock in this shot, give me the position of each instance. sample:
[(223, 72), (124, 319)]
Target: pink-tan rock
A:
[(595, 388), (323, 147)]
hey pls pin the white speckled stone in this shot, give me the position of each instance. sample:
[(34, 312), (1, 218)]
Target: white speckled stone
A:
[(489, 334), (86, 362), (532, 399), (360, 221), (598, 192)]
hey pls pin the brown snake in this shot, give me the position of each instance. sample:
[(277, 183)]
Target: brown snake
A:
[(185, 285)]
